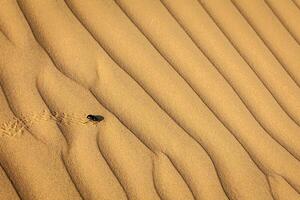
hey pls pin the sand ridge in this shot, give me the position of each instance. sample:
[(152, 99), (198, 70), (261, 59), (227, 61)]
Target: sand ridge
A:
[(200, 99)]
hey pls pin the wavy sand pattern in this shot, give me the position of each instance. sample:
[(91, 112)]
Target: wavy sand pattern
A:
[(201, 99)]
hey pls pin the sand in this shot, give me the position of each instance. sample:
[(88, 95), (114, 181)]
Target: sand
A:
[(200, 99)]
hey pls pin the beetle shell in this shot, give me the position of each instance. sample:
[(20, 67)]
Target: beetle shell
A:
[(96, 118)]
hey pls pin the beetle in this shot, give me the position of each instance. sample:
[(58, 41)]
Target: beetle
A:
[(95, 118)]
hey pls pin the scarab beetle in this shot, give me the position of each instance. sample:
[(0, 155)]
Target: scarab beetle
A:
[(95, 118)]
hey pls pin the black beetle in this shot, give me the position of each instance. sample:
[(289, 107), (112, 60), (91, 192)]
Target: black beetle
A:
[(95, 118)]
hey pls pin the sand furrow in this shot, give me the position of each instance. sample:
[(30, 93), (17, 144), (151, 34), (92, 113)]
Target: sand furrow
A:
[(8, 190), (194, 80), (169, 182), (283, 140), (288, 15), (281, 189), (279, 40), (296, 3), (287, 61), (234, 74), (266, 67)]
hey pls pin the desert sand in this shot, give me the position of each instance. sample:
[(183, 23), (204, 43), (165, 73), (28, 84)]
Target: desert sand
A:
[(200, 99)]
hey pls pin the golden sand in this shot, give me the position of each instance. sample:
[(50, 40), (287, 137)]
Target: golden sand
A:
[(201, 99)]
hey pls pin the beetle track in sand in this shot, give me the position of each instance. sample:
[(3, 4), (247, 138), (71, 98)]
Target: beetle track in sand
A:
[(16, 126)]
